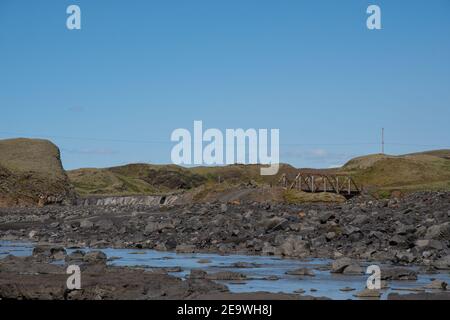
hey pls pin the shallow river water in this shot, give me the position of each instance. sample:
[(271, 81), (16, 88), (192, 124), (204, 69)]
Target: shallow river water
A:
[(323, 284)]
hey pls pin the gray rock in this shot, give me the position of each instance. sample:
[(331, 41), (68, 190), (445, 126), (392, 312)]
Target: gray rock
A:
[(368, 293), (353, 269), (75, 256), (294, 247), (197, 274), (404, 256), (330, 236), (104, 225), (95, 257), (339, 265), (245, 265), (398, 274), (420, 296), (437, 285), (185, 248), (324, 217), (268, 249), (443, 263), (269, 224), (437, 232), (86, 224), (151, 227), (427, 244), (226, 276), (44, 252)]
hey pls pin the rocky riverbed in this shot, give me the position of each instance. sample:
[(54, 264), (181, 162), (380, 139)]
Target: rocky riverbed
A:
[(411, 231), (41, 274)]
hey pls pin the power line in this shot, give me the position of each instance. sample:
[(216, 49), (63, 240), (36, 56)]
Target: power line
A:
[(171, 142)]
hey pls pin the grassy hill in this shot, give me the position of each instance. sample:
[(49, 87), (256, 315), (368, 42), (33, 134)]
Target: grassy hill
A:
[(29, 169), (419, 171), (378, 173), (134, 179)]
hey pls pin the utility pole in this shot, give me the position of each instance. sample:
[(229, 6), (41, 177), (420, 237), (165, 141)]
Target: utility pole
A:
[(382, 140)]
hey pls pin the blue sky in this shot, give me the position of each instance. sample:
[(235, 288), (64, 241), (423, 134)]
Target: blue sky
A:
[(112, 92)]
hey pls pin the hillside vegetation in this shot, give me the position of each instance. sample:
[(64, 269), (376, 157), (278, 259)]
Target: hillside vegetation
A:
[(411, 172), (135, 179), (31, 172), (378, 173)]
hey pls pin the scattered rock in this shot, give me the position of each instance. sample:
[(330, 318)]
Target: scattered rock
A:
[(398, 274), (294, 247), (245, 265), (437, 284), (95, 257), (368, 293), (185, 248), (104, 225), (353, 269), (442, 263), (301, 272), (339, 265), (197, 274), (299, 291), (44, 252), (203, 261), (226, 276), (347, 289), (86, 224)]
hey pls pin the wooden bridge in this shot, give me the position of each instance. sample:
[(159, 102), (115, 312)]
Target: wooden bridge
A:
[(315, 182)]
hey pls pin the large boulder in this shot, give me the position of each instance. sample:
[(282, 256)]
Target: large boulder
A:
[(353, 269), (294, 247), (339, 265), (439, 232), (95, 257), (443, 263), (427, 244), (398, 274)]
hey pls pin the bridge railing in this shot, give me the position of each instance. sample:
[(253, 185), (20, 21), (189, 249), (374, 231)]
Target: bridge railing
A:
[(342, 184)]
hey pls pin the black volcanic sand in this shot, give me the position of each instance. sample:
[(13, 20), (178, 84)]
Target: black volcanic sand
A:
[(414, 230)]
